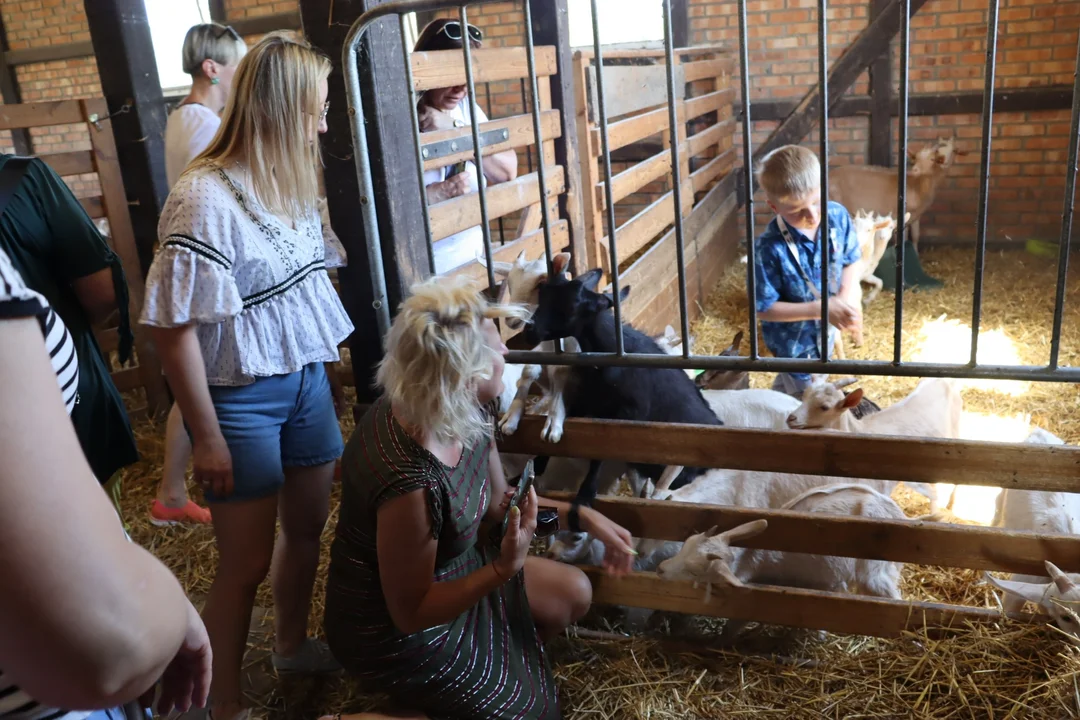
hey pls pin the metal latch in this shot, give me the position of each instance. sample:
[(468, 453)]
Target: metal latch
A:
[(445, 148)]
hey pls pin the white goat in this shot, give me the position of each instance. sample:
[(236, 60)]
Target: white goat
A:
[(1059, 597), (522, 282), (1036, 511), (751, 408), (874, 232), (708, 557), (932, 410), (871, 188)]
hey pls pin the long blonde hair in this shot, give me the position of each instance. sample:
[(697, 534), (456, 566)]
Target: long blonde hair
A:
[(435, 353), (272, 113)]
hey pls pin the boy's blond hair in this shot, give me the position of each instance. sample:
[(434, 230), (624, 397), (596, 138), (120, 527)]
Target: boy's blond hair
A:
[(789, 172)]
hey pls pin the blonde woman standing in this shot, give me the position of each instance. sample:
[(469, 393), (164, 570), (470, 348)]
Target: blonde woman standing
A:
[(211, 53), (244, 316), (421, 602)]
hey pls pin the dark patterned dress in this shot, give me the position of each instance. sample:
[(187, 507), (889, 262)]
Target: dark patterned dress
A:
[(486, 664)]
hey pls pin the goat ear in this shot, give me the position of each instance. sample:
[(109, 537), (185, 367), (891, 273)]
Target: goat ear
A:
[(735, 343), (560, 261), (853, 398), (1064, 582), (746, 530), (591, 279), (1032, 592), (521, 259), (624, 292), (721, 574)]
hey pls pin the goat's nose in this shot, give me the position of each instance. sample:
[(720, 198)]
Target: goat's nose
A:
[(791, 419)]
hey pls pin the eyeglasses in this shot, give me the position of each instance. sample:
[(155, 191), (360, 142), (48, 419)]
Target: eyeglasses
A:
[(452, 30), (325, 111)]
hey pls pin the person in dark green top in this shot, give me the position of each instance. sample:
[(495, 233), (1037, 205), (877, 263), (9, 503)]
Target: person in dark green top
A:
[(59, 252)]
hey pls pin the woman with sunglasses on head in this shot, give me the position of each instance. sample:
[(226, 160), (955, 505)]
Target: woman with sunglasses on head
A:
[(444, 109), (210, 55), (244, 315), (423, 602)]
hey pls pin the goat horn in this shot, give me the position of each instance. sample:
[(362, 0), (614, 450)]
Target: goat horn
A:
[(666, 478), (845, 382)]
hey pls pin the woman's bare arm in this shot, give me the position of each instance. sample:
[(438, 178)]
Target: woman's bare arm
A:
[(95, 619), (500, 167)]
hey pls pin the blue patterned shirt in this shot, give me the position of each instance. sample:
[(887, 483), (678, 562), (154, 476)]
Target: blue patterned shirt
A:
[(780, 279)]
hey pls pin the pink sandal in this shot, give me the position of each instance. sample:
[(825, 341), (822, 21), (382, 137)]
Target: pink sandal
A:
[(162, 515)]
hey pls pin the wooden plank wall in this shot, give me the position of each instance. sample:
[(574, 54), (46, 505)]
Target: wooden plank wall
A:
[(705, 135)]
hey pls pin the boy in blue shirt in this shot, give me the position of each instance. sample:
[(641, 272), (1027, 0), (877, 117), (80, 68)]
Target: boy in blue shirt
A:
[(787, 263)]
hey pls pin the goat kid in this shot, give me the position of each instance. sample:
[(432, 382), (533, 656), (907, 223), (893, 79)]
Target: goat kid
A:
[(1056, 598), (932, 410), (710, 558), (574, 308)]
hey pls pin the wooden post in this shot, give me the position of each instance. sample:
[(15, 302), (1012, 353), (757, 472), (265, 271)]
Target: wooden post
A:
[(393, 163), (9, 92), (129, 79), (217, 11), (680, 23), (880, 99), (551, 27)]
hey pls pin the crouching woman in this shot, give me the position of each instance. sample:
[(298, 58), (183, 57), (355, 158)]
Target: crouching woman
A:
[(420, 603)]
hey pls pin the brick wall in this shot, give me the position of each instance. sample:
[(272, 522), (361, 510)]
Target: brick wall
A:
[(1036, 46)]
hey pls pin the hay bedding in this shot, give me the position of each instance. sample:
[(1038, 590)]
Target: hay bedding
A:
[(1007, 670)]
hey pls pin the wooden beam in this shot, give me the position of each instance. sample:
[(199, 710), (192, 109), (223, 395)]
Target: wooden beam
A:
[(880, 147), (218, 13), (521, 135), (129, 79), (835, 612), (870, 43), (1030, 99), (457, 214), (9, 92), (965, 462), (551, 28), (49, 53), (446, 68), (532, 243), (262, 24), (43, 114), (78, 162), (680, 23), (393, 162), (909, 541)]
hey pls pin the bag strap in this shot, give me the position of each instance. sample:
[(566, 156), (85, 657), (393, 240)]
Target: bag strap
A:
[(11, 174)]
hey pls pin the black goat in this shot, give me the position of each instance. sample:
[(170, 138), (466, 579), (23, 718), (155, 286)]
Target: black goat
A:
[(573, 308)]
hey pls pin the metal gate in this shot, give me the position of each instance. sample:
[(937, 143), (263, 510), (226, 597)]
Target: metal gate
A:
[(1052, 372)]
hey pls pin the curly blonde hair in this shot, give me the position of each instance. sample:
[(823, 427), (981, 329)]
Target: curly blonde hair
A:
[(435, 352)]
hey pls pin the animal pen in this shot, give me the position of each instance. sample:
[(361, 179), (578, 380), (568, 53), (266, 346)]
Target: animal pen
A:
[(679, 242)]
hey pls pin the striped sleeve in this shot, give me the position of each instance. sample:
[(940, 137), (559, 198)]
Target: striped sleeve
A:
[(19, 301)]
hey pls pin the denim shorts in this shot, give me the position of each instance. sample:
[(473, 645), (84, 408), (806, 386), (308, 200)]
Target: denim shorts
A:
[(274, 423), (116, 713)]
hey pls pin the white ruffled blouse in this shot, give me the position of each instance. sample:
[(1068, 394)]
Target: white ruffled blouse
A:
[(257, 289)]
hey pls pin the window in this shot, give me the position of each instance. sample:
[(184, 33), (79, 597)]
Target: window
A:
[(169, 22), (621, 21)]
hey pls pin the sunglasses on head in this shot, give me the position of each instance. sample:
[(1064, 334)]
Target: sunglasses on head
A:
[(325, 111), (227, 30), (452, 30)]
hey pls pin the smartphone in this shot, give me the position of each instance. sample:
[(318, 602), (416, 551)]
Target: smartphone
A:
[(523, 487), (456, 169)]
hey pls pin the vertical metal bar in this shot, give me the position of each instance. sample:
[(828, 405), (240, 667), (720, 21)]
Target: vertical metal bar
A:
[(363, 173), (525, 109), (601, 103), (748, 178), (823, 230), (676, 177), (541, 169), (1067, 218), (901, 174), (490, 114), (984, 176), (405, 51), (485, 226)]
